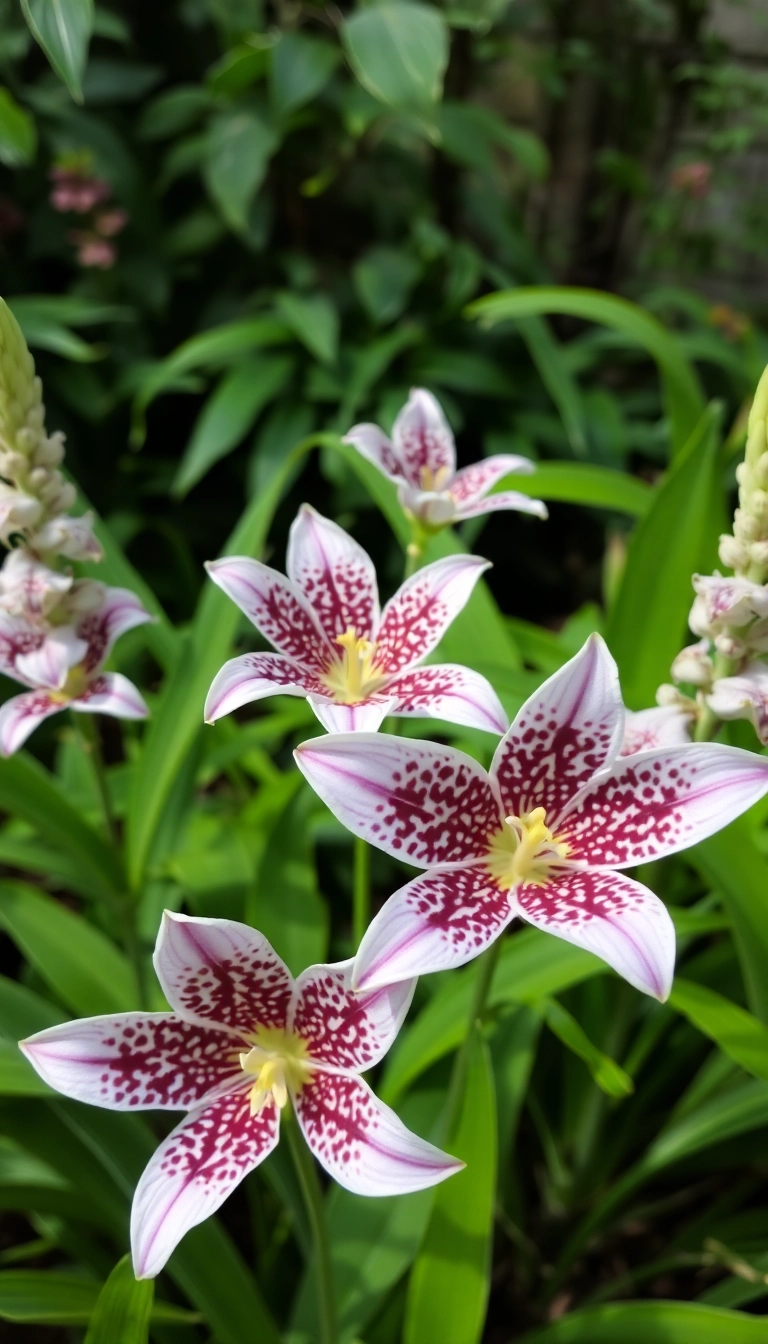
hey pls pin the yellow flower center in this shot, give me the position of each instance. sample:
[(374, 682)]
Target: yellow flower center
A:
[(278, 1061), (525, 850), (353, 676), (434, 480)]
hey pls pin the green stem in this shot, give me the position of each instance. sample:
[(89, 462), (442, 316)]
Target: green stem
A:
[(412, 558), (361, 891), (306, 1172), (486, 966)]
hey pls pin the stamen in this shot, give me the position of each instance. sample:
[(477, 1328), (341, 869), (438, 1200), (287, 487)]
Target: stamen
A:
[(278, 1061), (353, 677), (524, 851)]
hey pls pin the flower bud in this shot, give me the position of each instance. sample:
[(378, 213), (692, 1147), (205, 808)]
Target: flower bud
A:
[(730, 646), (745, 527), (693, 665), (50, 451), (733, 553)]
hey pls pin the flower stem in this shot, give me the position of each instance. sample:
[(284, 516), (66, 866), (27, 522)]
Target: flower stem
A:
[(90, 741), (412, 558), (361, 890), (313, 1198), (486, 966)]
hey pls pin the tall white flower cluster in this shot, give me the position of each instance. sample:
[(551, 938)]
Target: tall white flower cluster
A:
[(726, 666), (56, 630)]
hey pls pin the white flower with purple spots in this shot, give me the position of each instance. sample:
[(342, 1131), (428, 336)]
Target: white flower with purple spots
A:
[(354, 663), (420, 459), (540, 836), (244, 1038)]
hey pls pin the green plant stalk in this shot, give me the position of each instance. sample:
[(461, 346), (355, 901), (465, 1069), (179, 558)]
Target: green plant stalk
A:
[(306, 1172), (486, 966), (361, 890)]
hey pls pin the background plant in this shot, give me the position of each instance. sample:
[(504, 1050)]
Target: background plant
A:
[(304, 222)]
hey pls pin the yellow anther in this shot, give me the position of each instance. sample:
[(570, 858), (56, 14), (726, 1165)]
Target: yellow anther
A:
[(353, 676), (434, 480), (278, 1061), (524, 851)]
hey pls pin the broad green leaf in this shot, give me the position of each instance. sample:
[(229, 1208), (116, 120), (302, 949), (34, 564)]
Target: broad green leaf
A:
[(179, 716), (18, 133), (301, 67), (736, 1032), (608, 1075), (582, 483), (23, 1012), (228, 414), (43, 1297), (724, 1116), (242, 66), (735, 867), (63, 30), (313, 320), (683, 394), (652, 1323), (399, 53), (240, 145), (647, 622), (75, 959), (173, 112), (450, 1280), (28, 791), (532, 966), (209, 349), (124, 1308), (17, 1077)]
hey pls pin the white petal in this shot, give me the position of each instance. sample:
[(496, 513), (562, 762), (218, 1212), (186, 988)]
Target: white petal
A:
[(472, 483), (111, 693), (416, 618), (192, 1173), (423, 442), (362, 1143), (372, 442), (49, 664), (364, 717), (450, 692), (253, 676), (134, 1061), (344, 1028), (613, 916), (335, 575), (662, 726), (275, 606), (20, 715), (505, 499)]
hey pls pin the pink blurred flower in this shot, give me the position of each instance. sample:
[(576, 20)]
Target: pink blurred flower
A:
[(93, 250), (110, 222), (692, 179), (74, 190)]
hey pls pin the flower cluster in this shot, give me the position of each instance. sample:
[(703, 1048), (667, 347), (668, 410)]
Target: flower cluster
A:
[(726, 668), (577, 791), (55, 630), (76, 190)]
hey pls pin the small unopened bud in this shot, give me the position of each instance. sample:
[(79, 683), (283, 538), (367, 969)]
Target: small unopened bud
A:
[(733, 553), (742, 473), (757, 504), (693, 665), (50, 451), (38, 479), (26, 440), (668, 695), (761, 471), (730, 647), (758, 553), (745, 527)]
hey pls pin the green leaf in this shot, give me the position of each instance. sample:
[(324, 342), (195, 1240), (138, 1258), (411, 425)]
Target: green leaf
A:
[(75, 959), (313, 320), (179, 716), (43, 1297), (17, 1077), (63, 30), (301, 67), (241, 67), (18, 133), (724, 1116), (647, 622), (652, 1323), (399, 53), (240, 145), (735, 867), (553, 370), (683, 394), (383, 280), (609, 1076), (210, 349), (124, 1308), (532, 965), (29, 791), (581, 483), (228, 415), (738, 1034), (450, 1280)]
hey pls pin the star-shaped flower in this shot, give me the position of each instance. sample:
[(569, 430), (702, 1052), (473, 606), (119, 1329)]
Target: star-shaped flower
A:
[(354, 664), (242, 1040), (540, 836), (421, 460), (63, 663)]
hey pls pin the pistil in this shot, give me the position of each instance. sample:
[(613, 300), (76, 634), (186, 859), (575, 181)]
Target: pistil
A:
[(524, 851), (353, 677)]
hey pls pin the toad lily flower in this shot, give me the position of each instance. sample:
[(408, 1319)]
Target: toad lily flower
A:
[(661, 726), (354, 664), (63, 664), (421, 460), (243, 1038), (539, 837)]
